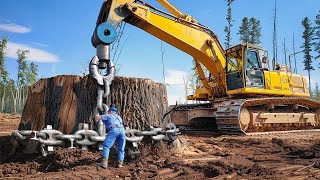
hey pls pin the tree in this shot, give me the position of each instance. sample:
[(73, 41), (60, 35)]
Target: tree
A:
[(3, 46), (227, 29), (3, 72), (274, 39), (250, 31), (255, 31), (307, 49), (22, 78), (244, 30), (11, 86), (317, 37), (22, 66), (285, 52), (32, 73)]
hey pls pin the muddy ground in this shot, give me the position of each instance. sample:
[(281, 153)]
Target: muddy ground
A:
[(197, 155)]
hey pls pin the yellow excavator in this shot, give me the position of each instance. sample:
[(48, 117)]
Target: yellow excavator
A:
[(244, 93)]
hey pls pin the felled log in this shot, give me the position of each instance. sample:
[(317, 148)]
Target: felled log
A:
[(66, 101)]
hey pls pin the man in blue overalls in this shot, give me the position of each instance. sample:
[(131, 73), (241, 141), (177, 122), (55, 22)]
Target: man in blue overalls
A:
[(114, 123)]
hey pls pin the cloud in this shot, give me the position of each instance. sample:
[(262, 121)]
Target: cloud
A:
[(36, 55), (176, 77), (39, 44), (6, 25), (174, 98)]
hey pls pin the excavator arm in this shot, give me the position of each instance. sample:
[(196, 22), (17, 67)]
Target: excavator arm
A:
[(178, 29)]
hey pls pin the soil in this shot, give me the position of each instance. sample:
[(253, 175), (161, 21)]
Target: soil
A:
[(197, 155)]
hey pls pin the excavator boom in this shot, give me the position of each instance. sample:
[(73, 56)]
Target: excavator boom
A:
[(179, 30)]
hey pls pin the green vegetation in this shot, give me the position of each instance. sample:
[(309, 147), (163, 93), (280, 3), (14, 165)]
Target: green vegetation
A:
[(250, 31), (308, 35), (13, 93)]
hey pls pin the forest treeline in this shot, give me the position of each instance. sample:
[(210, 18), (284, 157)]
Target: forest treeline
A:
[(13, 92)]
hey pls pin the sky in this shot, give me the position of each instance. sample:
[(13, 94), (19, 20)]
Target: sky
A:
[(58, 36)]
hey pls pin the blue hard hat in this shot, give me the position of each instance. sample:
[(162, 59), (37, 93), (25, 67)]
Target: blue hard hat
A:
[(113, 109)]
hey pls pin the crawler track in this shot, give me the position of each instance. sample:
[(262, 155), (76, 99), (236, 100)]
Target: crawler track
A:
[(267, 114)]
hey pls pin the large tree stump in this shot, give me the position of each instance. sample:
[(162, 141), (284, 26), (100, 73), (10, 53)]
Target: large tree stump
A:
[(67, 100)]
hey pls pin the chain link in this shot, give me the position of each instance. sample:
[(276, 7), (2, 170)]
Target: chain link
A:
[(49, 139), (68, 136), (103, 82), (85, 141), (158, 137)]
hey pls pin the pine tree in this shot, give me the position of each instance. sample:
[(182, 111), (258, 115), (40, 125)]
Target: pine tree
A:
[(250, 31), (307, 36), (244, 30), (227, 29), (274, 38), (317, 37), (255, 31)]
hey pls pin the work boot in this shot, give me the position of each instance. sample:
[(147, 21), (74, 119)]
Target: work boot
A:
[(103, 163), (120, 164)]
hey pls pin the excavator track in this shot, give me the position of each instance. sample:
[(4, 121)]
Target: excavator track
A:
[(191, 126), (241, 116)]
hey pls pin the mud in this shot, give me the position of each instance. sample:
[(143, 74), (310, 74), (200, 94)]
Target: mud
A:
[(196, 155)]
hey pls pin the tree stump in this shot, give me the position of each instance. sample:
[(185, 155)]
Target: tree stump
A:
[(66, 101)]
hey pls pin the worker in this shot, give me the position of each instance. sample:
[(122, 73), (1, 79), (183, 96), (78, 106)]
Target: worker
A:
[(114, 123), (278, 67)]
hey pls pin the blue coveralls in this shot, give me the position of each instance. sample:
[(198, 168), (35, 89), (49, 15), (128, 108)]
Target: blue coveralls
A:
[(115, 123)]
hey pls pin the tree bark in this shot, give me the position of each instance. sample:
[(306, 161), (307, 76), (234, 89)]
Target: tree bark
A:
[(14, 100), (66, 101)]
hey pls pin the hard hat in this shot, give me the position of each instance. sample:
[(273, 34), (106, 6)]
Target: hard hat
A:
[(113, 109)]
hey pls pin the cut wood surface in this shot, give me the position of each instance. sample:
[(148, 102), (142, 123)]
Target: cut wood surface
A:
[(66, 101)]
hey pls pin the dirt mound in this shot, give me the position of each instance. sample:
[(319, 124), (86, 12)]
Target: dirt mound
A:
[(303, 152), (8, 123), (59, 160), (69, 158), (66, 159), (14, 169)]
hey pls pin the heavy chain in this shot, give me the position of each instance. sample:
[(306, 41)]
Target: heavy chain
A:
[(84, 138), (102, 61), (103, 82)]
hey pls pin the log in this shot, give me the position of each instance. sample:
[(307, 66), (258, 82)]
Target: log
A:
[(66, 101)]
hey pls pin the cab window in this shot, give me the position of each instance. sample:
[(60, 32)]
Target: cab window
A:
[(252, 60), (234, 60)]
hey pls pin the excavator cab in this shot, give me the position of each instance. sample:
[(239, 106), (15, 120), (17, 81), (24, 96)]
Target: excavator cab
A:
[(245, 67), (248, 74)]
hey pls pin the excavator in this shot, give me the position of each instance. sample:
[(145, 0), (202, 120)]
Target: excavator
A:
[(241, 94)]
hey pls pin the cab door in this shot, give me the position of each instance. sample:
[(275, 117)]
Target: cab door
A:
[(234, 68), (254, 75)]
